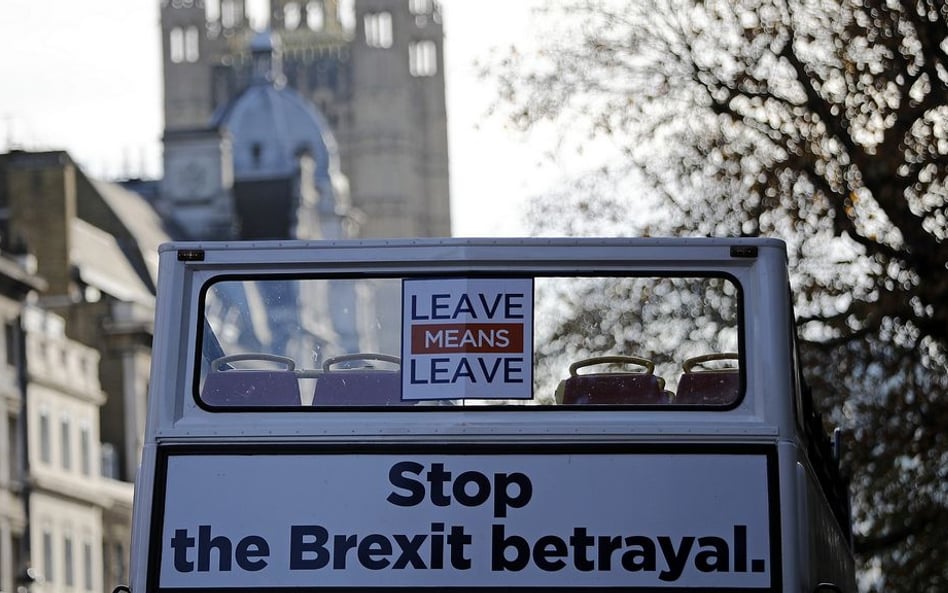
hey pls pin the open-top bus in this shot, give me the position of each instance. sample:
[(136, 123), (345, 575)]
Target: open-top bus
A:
[(467, 414)]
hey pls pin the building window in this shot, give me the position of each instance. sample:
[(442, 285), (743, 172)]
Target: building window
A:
[(16, 550), (69, 572), (45, 438), (118, 551), (13, 449), (87, 566), (49, 574), (65, 446), (423, 58), (110, 461), (192, 40), (315, 17), (378, 29), (85, 451), (176, 45), (9, 342)]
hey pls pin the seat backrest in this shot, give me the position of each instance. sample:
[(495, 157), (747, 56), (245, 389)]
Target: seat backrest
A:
[(613, 388), (359, 388), (708, 387), (236, 387)]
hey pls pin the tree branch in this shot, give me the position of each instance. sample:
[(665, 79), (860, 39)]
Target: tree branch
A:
[(871, 545)]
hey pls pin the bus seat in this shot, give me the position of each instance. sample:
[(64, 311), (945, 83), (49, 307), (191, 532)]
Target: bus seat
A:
[(364, 384), (230, 385), (359, 388), (613, 388), (618, 388), (708, 387), (251, 388)]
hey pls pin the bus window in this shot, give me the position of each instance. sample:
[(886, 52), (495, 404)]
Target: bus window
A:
[(419, 342)]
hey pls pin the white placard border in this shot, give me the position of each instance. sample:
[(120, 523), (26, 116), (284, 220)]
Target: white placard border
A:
[(165, 453)]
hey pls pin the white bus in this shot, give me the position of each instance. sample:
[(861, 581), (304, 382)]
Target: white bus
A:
[(472, 414)]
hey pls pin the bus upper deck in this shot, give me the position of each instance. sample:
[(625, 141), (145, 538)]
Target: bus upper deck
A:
[(467, 414), (435, 329)]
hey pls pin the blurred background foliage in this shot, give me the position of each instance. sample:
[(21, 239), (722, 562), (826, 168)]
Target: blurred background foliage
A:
[(822, 122), (666, 321)]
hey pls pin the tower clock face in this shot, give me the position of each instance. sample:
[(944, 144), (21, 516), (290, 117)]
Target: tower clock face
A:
[(194, 179)]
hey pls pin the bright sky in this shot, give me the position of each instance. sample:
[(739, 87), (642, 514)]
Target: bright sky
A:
[(85, 77)]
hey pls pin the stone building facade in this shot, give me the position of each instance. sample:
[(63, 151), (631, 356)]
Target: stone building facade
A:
[(77, 272), (17, 281), (78, 518)]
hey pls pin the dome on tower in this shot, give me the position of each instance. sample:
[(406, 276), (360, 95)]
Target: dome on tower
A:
[(271, 126)]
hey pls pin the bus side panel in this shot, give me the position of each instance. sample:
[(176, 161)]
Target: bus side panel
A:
[(142, 519), (824, 549), (791, 552)]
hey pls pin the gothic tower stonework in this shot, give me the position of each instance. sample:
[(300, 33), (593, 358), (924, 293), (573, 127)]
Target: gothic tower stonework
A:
[(376, 75)]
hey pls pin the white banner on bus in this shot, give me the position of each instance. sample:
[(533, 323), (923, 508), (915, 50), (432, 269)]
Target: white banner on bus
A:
[(475, 520), (467, 338)]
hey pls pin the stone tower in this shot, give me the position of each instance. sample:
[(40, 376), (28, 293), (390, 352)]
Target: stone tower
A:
[(376, 75), (189, 43)]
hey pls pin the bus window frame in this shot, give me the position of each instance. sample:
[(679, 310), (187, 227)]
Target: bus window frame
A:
[(417, 272)]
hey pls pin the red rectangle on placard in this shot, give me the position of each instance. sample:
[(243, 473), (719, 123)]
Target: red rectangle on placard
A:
[(456, 338)]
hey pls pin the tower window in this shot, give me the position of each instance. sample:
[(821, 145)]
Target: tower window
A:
[(191, 44), (346, 16), (212, 10), (291, 16), (184, 45), (419, 7), (229, 15), (256, 153), (176, 45), (422, 58), (315, 18), (378, 29)]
